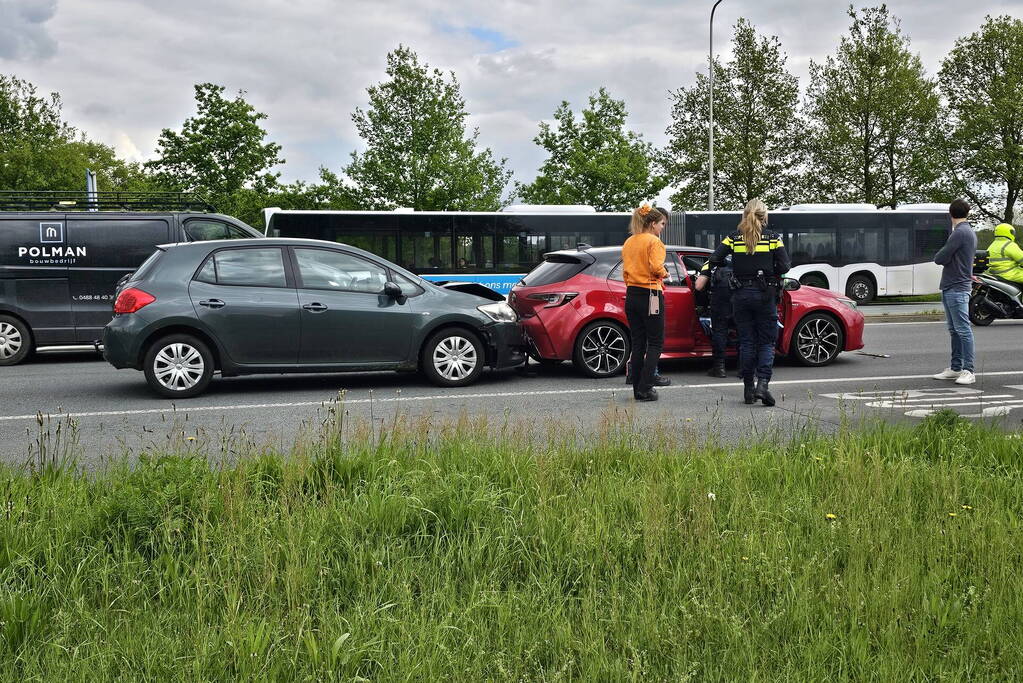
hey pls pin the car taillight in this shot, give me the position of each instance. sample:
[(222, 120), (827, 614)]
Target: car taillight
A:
[(553, 299), (131, 300)]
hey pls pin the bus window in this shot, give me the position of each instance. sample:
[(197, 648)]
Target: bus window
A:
[(898, 246), (474, 243), (862, 246), (811, 245), (384, 245), (426, 243), (929, 236)]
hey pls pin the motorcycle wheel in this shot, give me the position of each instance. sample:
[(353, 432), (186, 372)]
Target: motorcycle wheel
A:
[(978, 315)]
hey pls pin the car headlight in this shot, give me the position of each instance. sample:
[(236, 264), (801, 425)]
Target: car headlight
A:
[(499, 312), (850, 303)]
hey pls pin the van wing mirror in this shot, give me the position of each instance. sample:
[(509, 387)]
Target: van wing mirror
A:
[(790, 284)]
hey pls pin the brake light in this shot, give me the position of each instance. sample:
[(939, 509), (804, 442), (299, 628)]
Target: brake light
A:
[(553, 299), (131, 300)]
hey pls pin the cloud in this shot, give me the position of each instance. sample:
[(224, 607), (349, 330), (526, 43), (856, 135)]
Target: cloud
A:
[(22, 34), (126, 68)]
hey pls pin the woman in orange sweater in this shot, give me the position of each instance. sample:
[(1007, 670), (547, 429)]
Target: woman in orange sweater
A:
[(643, 269)]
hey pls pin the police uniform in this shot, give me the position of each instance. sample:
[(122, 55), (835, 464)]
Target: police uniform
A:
[(756, 279), (720, 311)]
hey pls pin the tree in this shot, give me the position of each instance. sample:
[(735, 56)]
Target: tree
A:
[(757, 130), (417, 152), (981, 80), (594, 160), (218, 152), (329, 193), (41, 151), (873, 118)]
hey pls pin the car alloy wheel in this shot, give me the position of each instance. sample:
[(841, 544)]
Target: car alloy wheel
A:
[(818, 340), (455, 358), (10, 341), (603, 350)]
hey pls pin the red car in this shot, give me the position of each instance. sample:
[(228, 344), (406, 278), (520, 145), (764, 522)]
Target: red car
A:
[(572, 307)]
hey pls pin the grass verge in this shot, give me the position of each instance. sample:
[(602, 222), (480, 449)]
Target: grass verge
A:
[(473, 551)]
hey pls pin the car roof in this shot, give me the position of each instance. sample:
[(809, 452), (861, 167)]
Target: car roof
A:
[(209, 245)]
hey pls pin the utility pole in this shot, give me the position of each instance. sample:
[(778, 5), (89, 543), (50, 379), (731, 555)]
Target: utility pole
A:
[(710, 125), (90, 189)]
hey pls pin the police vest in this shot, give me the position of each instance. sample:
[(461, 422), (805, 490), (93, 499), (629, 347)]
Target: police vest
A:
[(748, 262)]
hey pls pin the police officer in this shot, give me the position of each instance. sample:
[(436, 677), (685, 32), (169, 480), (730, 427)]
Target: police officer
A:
[(1004, 257), (719, 279), (759, 260)]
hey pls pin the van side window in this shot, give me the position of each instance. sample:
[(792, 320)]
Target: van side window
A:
[(247, 267), (203, 230)]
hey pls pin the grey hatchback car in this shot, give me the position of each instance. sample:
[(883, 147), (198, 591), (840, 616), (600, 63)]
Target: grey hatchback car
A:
[(296, 305)]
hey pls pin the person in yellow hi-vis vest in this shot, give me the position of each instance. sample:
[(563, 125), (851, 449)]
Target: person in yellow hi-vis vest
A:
[(1005, 258)]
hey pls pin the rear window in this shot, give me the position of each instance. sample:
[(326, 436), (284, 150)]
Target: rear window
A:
[(549, 272), (147, 265)]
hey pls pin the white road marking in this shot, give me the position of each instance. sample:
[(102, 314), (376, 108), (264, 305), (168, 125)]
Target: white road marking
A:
[(925, 402), (497, 394)]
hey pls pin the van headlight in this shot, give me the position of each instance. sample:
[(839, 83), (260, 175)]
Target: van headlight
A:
[(499, 312)]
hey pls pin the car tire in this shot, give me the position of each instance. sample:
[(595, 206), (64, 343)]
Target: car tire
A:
[(178, 366), (817, 340), (601, 349), (860, 289), (15, 341), (453, 358)]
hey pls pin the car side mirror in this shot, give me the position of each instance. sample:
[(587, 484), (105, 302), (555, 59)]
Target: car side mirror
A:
[(790, 284), (393, 291)]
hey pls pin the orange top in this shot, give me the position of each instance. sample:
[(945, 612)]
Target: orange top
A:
[(643, 261)]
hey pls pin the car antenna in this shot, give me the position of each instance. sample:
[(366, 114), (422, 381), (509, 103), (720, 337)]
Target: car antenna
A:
[(582, 246)]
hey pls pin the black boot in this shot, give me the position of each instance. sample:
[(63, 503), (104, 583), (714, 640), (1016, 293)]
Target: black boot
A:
[(747, 391), (718, 369), (762, 393)]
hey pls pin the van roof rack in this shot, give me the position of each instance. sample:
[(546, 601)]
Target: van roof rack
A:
[(103, 201)]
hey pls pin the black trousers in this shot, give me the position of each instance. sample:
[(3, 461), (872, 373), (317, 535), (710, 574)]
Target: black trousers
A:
[(647, 333), (756, 316), (720, 316)]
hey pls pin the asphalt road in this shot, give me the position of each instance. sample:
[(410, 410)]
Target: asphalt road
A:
[(114, 413)]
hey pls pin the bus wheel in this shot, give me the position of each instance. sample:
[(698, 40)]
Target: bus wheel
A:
[(814, 280), (860, 289)]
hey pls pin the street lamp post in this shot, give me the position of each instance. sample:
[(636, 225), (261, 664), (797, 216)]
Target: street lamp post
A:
[(710, 125)]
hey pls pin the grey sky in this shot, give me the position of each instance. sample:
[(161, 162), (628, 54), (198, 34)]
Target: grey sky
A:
[(125, 68)]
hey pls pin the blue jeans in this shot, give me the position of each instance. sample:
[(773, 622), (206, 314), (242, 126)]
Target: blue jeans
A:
[(756, 316), (957, 315)]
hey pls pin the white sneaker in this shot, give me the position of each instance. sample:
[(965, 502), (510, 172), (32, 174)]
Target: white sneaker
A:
[(948, 373), (966, 377)]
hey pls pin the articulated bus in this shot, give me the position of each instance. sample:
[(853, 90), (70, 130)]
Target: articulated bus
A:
[(854, 249)]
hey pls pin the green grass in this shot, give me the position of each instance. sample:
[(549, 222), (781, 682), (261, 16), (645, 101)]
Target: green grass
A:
[(476, 551)]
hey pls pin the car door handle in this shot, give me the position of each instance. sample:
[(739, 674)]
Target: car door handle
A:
[(212, 303), (315, 307)]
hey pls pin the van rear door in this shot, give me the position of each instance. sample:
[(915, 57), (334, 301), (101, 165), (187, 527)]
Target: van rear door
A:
[(34, 275), (110, 247)]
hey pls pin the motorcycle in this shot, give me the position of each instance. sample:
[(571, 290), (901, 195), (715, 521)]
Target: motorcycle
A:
[(992, 298)]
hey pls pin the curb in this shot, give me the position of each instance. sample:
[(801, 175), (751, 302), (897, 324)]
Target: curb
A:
[(908, 318)]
